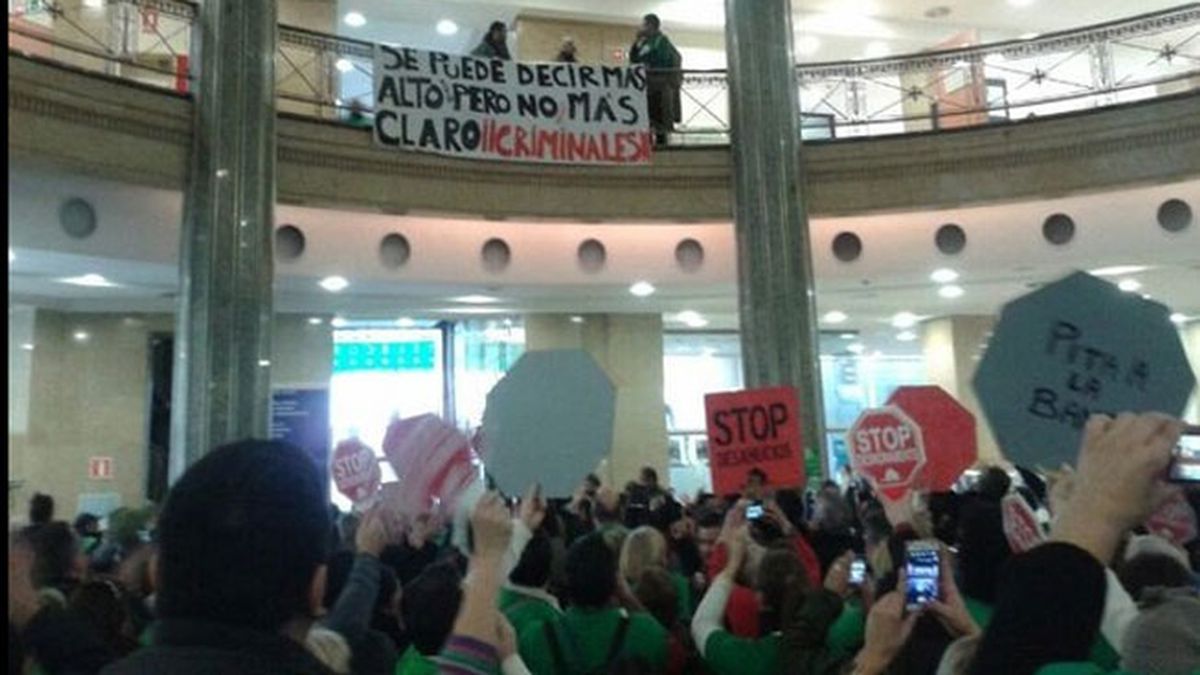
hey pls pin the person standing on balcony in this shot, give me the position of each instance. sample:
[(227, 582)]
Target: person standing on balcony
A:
[(495, 44), (566, 53), (654, 50)]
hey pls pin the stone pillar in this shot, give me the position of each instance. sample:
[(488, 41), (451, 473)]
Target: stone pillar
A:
[(223, 340), (953, 346), (629, 347), (775, 276)]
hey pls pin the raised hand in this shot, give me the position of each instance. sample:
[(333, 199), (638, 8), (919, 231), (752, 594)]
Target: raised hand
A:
[(950, 609), (372, 536), (533, 508), (491, 526), (1119, 480)]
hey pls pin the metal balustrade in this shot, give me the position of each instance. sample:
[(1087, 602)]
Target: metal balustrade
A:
[(330, 77)]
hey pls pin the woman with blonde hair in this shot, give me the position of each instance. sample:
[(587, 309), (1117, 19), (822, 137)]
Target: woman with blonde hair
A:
[(644, 548)]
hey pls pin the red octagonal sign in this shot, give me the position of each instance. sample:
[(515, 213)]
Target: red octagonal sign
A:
[(947, 429), (887, 449), (355, 470)]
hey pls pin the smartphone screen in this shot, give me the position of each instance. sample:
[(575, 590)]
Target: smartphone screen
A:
[(754, 511), (858, 572), (921, 569), (1185, 468)]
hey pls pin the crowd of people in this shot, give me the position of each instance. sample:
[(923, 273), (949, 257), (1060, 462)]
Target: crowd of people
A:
[(651, 48), (247, 569)]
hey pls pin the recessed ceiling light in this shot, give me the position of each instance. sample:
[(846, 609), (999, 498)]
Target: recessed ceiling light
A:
[(263, 363), (848, 336), (354, 19), (1118, 270), (807, 45), (876, 49), (94, 4), (475, 299), (89, 280), (1129, 285), (835, 316), (337, 322), (642, 289), (1029, 36), (334, 284), (405, 322), (1178, 318), (447, 27), (315, 321), (904, 320), (856, 348), (344, 65), (692, 319), (944, 275), (577, 319), (81, 336), (950, 291), (906, 336), (28, 346)]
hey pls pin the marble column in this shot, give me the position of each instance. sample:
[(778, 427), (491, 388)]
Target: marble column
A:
[(953, 346), (775, 272), (223, 335)]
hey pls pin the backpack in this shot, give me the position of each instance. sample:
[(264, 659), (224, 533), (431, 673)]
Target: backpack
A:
[(614, 662)]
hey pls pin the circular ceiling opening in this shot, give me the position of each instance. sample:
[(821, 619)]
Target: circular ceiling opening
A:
[(1174, 215), (289, 243), (847, 247), (950, 239), (496, 255), (394, 250), (592, 255), (689, 255), (1058, 229), (77, 218)]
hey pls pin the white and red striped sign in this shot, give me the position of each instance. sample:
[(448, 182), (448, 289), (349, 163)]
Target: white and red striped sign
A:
[(1021, 526), (434, 462)]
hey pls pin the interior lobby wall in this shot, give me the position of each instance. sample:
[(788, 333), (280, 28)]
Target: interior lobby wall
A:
[(629, 347), (72, 398)]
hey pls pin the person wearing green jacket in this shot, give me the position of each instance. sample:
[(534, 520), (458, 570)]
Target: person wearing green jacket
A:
[(594, 634), (524, 600), (653, 49)]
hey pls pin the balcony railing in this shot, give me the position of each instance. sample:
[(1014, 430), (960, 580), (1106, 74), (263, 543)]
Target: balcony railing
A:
[(330, 77)]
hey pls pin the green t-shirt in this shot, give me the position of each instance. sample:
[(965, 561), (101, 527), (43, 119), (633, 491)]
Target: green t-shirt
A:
[(523, 610), (415, 663), (593, 631)]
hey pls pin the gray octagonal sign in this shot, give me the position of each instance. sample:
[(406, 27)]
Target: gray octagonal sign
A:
[(550, 420), (1070, 349)]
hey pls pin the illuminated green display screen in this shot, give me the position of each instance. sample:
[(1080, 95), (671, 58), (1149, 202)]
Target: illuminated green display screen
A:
[(360, 356)]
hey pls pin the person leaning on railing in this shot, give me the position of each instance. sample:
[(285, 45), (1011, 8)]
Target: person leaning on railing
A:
[(653, 49)]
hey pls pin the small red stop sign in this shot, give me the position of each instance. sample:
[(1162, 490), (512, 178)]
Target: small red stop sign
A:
[(887, 449), (355, 470)]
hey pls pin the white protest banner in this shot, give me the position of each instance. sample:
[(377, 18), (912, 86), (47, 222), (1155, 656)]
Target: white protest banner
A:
[(521, 112)]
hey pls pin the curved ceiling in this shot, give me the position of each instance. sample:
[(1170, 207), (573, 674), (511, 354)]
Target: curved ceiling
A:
[(1006, 254), (834, 29)]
